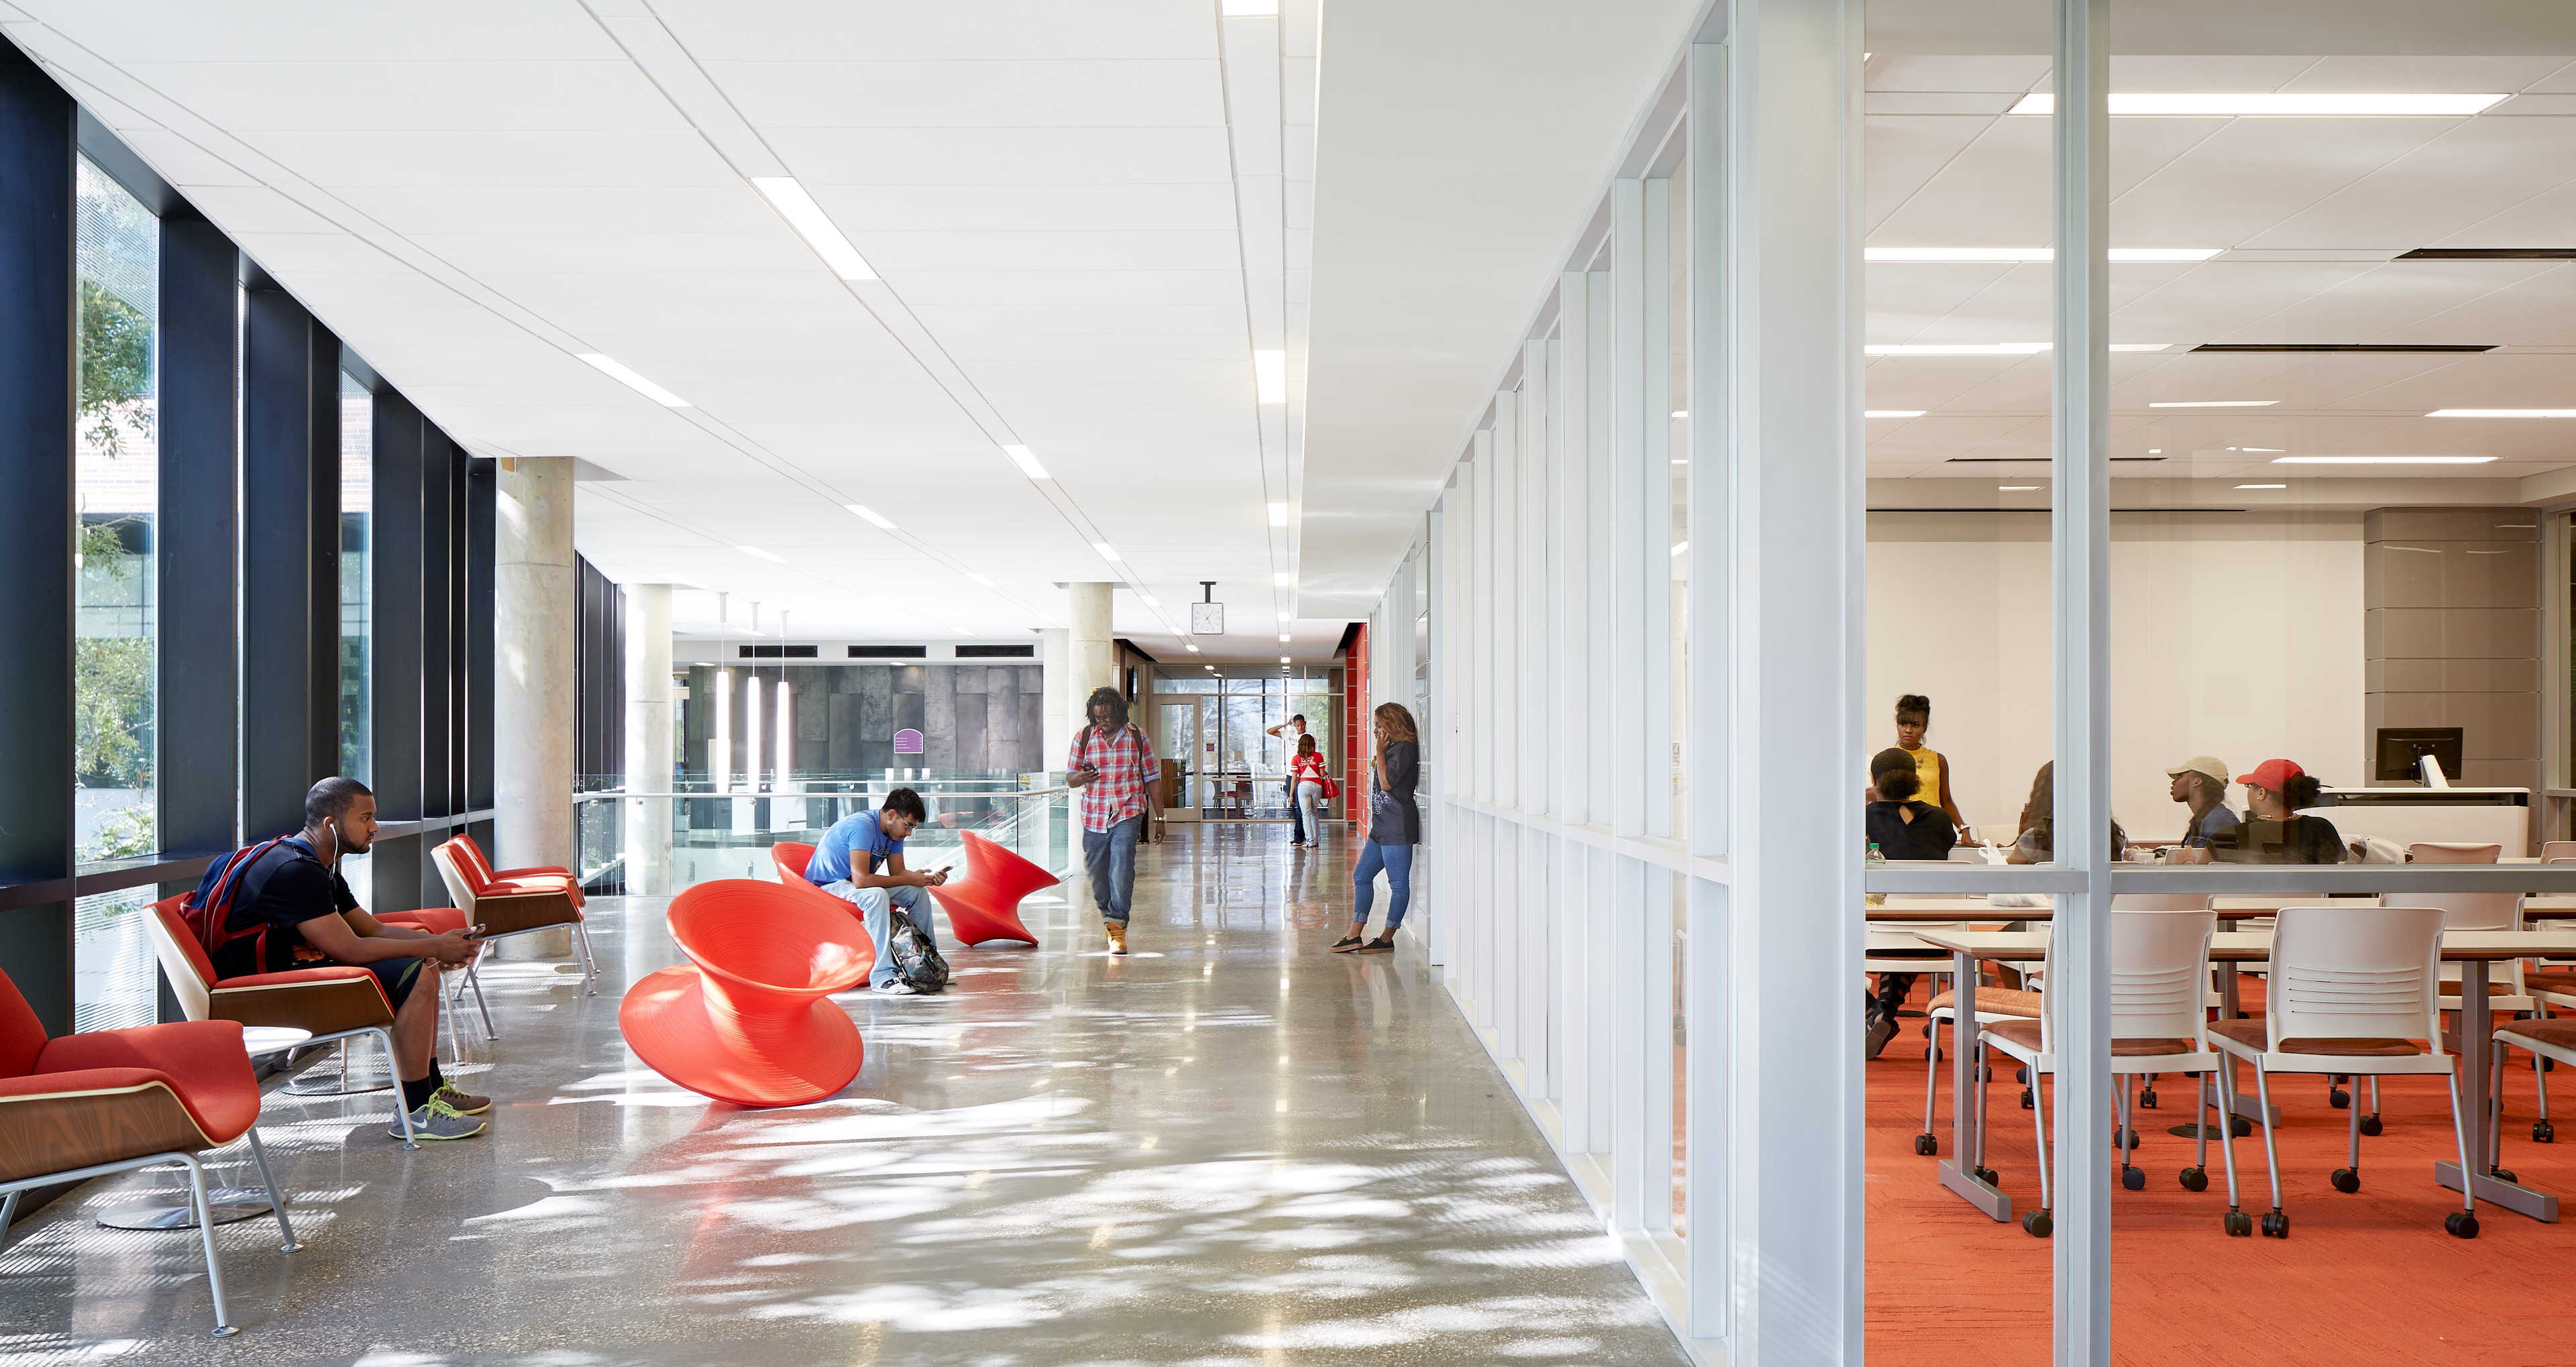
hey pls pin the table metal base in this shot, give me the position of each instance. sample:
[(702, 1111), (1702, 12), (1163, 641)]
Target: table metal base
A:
[(229, 1204), (2513, 1196), (1991, 1200)]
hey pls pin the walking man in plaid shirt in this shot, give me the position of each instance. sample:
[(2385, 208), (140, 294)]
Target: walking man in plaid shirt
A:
[(1113, 765)]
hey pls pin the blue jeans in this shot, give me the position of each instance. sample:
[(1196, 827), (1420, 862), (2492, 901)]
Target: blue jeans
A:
[(1397, 861), (1296, 815), (1110, 856), (872, 904)]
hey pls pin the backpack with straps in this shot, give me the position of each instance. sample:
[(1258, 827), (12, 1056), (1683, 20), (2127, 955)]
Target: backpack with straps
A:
[(917, 962), (208, 911)]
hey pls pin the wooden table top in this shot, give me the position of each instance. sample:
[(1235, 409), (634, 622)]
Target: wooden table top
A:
[(2245, 946)]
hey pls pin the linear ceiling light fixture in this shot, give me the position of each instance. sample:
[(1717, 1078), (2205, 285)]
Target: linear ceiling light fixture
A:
[(2216, 403), (1893, 413), (2381, 460), (610, 368), (2017, 488), (2339, 346), (2502, 413), (1284, 578), (756, 551), (870, 514), (814, 225), (979, 579), (1107, 552), (1027, 460), (1991, 348), (2280, 104), (2488, 254), (2262, 486), (1270, 376), (1992, 256), (1278, 514)]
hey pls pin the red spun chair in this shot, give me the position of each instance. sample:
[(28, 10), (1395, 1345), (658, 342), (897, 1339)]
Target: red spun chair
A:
[(984, 901), (790, 860), (750, 1019)]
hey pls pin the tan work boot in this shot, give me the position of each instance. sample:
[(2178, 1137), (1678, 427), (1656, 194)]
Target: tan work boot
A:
[(1117, 931)]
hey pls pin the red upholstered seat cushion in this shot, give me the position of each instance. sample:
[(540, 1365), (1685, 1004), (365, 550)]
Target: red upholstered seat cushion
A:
[(22, 1036), (168, 910), (202, 1060), (296, 975), (435, 920), (2550, 980)]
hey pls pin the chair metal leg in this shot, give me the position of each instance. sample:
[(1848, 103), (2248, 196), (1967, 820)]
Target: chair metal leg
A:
[(1977, 1077), (2271, 1150), (276, 1196), (8, 1213), (401, 1111), (474, 979), (1931, 1065), (206, 1236), (2224, 1085), (2495, 1106), (2039, 1129), (2352, 1139), (2460, 1132), (589, 962)]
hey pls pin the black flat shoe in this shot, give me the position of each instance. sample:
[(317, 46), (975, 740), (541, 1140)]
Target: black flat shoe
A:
[(1384, 944), (1348, 943)]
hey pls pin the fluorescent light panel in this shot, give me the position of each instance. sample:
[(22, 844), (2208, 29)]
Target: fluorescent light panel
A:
[(2016, 488), (870, 514), (1027, 460), (980, 579), (1278, 514), (1894, 413), (2502, 413), (2381, 460), (2217, 403), (1986, 256), (814, 225), (1990, 348), (610, 368), (2262, 486), (1270, 376), (2277, 104), (1107, 552), (1284, 578), (756, 551)]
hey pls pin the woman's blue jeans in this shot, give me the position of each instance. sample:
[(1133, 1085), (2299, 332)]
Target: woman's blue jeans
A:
[(1397, 861)]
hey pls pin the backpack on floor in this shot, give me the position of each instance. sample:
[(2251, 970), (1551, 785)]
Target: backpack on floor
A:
[(916, 960)]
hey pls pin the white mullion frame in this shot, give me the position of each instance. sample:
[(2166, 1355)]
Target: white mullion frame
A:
[(1600, 549), (1654, 546), (1569, 589), (1478, 478), (1435, 735), (1624, 1043), (1539, 552), (1504, 442), (1627, 532), (1655, 1165)]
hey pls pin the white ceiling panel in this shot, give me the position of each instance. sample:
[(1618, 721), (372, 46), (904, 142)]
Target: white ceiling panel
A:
[(1018, 156), (975, 93), (981, 252), (1002, 31), (633, 254), (415, 96), (1206, 206), (328, 32), (528, 158)]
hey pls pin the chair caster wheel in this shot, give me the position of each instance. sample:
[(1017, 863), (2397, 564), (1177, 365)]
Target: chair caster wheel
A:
[(2276, 1225), (2346, 1181), (2038, 1224), (2339, 1099), (2124, 1138), (2237, 1223), (2135, 1179), (2147, 1098), (2025, 1098), (2369, 1125), (2239, 1126), (2541, 1133), (2460, 1224), (1985, 1175), (2195, 1179), (2502, 1174), (2021, 1075), (2549, 1065), (1926, 1145)]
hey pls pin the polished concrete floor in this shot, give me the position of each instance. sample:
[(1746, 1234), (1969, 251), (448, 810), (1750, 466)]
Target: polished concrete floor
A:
[(1230, 1147)]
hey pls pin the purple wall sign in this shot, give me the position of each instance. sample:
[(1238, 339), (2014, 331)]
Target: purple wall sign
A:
[(907, 742)]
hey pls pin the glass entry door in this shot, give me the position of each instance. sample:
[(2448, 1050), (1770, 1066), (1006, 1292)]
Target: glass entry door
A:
[(1181, 750)]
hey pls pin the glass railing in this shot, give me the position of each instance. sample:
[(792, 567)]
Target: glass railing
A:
[(728, 835)]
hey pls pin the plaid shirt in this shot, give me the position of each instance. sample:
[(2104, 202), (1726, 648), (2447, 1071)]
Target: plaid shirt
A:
[(1126, 762)]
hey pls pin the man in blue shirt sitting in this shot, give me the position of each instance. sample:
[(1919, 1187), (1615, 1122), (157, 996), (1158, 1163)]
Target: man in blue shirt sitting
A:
[(845, 865)]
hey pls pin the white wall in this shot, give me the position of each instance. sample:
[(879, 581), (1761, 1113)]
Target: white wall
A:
[(2243, 648)]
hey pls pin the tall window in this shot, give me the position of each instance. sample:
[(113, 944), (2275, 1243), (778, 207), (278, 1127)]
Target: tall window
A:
[(116, 494), (357, 577)]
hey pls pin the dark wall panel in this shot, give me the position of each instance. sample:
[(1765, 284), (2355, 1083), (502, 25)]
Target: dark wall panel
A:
[(439, 691), (36, 319), (199, 661), (479, 503), (290, 549), (398, 578)]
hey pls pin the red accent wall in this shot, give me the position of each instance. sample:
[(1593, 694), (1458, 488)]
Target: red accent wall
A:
[(1355, 726)]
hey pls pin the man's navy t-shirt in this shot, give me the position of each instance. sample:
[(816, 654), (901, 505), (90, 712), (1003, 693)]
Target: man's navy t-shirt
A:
[(285, 888), (861, 834)]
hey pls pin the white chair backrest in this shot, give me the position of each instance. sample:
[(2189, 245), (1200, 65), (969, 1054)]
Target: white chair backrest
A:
[(195, 1000), (2160, 969), (2452, 852), (2554, 850), (2159, 901), (458, 889), (2354, 973), (2473, 910)]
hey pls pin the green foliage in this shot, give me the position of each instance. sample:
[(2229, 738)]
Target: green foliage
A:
[(115, 369), (112, 711), (125, 835)]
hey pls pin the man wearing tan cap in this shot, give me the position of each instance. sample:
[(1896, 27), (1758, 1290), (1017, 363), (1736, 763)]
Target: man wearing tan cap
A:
[(2201, 781)]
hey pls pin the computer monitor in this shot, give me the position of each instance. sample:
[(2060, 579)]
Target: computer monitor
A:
[(2401, 746)]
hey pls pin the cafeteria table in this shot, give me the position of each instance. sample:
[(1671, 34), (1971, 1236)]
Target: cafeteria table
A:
[(2472, 950)]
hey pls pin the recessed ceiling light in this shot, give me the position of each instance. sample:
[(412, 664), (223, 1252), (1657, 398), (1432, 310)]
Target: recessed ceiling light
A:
[(631, 380), (2373, 347), (1283, 659), (755, 550), (980, 579), (2502, 413), (2017, 488), (1270, 376), (1027, 460), (1680, 546), (1893, 413), (2262, 486), (1958, 349), (2155, 450), (1195, 650), (1278, 514), (1681, 412), (2275, 104), (1149, 600), (870, 514), (1244, 9), (1283, 640), (815, 226), (1977, 256), (1106, 552), (2217, 403), (2381, 460), (1284, 578)]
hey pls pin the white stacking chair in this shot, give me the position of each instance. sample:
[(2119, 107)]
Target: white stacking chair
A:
[(2551, 986), (2159, 966), (1993, 1004), (2352, 989)]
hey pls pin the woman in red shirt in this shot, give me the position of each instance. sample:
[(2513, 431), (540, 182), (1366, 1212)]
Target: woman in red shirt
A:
[(1306, 770)]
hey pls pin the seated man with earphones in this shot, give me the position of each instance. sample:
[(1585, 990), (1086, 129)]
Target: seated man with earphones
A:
[(291, 909)]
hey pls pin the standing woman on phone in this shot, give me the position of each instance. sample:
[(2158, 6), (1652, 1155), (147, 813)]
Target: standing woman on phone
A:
[(1394, 828)]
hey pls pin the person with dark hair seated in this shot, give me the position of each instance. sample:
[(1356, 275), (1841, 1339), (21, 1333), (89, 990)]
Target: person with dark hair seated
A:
[(1902, 828), (304, 916), (2273, 832), (845, 865)]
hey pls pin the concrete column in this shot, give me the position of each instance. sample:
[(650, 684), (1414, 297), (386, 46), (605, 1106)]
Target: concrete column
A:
[(648, 738), (1089, 665), (533, 705), (1055, 664)]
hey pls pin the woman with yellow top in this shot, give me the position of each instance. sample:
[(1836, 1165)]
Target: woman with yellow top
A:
[(1913, 718)]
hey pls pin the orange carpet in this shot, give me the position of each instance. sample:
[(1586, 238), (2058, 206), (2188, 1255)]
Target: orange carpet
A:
[(2369, 1277)]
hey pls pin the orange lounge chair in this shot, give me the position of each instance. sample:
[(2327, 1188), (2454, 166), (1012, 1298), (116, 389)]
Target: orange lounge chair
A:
[(984, 901), (750, 1019)]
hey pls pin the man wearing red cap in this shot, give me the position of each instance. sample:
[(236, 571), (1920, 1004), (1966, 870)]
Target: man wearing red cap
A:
[(2273, 832)]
